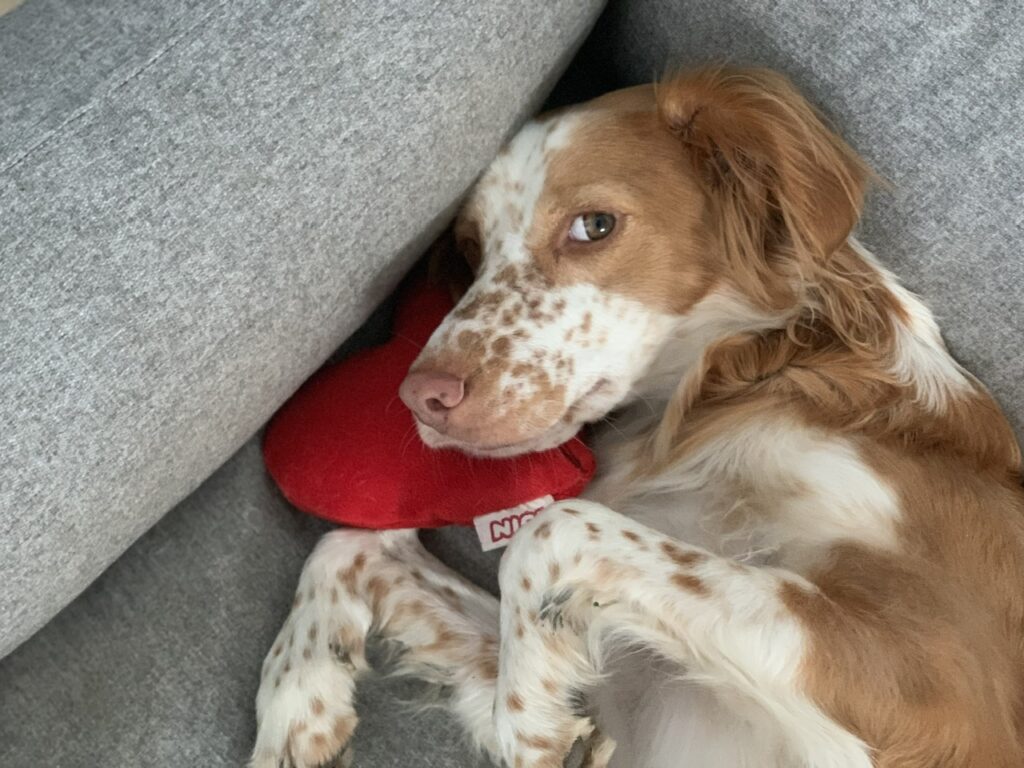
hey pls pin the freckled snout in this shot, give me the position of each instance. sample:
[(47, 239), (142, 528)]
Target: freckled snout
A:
[(431, 396)]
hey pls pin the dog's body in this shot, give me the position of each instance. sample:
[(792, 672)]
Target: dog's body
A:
[(816, 553)]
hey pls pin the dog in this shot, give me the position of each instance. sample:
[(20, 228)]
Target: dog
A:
[(805, 546)]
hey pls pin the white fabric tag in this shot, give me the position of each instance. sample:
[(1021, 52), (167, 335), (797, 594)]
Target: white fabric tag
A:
[(496, 529)]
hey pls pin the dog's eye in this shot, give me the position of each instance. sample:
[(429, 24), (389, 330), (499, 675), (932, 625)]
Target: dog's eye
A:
[(591, 226)]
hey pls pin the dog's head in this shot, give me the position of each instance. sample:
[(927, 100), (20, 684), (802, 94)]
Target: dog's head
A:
[(604, 234)]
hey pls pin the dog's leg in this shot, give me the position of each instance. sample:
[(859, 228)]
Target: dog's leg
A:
[(580, 576), (355, 583)]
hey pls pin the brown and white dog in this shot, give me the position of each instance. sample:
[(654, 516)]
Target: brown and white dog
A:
[(807, 544)]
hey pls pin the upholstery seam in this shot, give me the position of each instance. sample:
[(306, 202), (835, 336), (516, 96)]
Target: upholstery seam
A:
[(91, 104)]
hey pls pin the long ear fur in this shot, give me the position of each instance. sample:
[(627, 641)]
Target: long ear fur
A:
[(447, 266), (785, 191)]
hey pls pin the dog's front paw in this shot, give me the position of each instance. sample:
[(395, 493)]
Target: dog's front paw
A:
[(306, 715)]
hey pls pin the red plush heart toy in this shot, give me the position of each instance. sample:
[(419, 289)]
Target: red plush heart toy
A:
[(345, 447)]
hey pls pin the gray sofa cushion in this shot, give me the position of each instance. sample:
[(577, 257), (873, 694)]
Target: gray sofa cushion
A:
[(931, 93), (201, 200)]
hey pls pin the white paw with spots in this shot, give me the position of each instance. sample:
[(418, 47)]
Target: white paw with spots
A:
[(304, 708), (308, 719)]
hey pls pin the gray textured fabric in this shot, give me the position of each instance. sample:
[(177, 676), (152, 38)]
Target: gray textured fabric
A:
[(58, 56), (930, 92), (200, 201)]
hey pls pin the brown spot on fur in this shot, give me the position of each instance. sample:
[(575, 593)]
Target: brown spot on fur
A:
[(514, 216), (690, 583), (554, 571), (443, 639), (679, 557), (543, 530), (417, 608), (540, 743), (570, 511), (526, 583), (349, 578), (501, 346), (594, 531), (631, 536), (349, 636), (550, 686), (488, 668), (507, 276), (488, 662), (515, 703), (344, 727), (521, 370), (378, 589), (468, 340)]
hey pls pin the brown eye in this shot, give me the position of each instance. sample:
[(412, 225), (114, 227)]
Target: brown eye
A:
[(591, 226)]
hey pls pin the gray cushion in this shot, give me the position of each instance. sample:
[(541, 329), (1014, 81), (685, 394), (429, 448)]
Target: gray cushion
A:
[(932, 94), (200, 201)]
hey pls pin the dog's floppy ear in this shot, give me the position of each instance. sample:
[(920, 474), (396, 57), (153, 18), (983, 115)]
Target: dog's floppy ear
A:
[(778, 179), (447, 266)]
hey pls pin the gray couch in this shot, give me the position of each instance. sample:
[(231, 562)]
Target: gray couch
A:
[(201, 201)]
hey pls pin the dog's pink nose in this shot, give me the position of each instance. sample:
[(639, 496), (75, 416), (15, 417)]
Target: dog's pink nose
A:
[(431, 395)]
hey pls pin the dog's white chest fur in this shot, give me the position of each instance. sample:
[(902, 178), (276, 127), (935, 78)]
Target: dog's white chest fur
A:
[(770, 490), (770, 493)]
